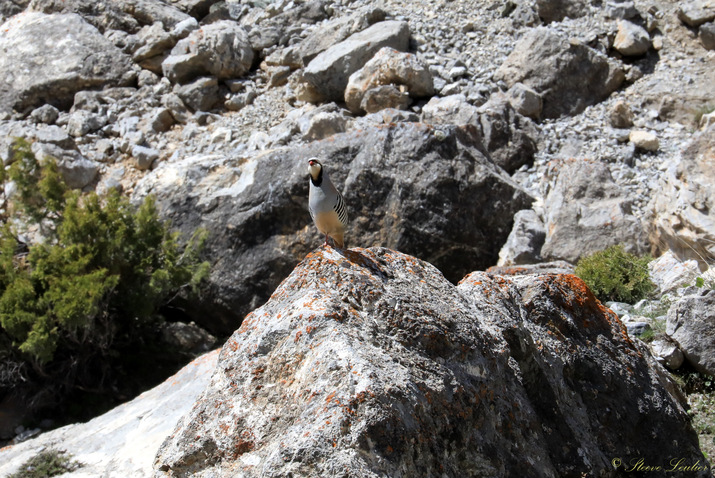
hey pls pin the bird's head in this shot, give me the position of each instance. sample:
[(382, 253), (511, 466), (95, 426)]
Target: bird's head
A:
[(314, 168)]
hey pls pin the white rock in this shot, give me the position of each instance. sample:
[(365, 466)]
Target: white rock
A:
[(667, 353), (644, 140), (123, 441), (668, 273)]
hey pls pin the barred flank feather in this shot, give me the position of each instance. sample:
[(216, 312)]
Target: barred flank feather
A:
[(341, 210)]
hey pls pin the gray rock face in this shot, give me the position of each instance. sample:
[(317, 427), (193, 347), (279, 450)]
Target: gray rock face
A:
[(123, 441), (45, 114), (682, 213), (221, 49), (144, 156), (587, 212), (525, 101), (12, 7), (388, 67), (328, 73), (115, 14), (508, 136), (691, 323), (78, 172), (706, 33), (324, 36), (557, 10), (696, 12), (568, 76), (407, 186), (555, 267), (525, 240), (199, 95), (369, 362), (623, 9), (276, 24), (48, 58)]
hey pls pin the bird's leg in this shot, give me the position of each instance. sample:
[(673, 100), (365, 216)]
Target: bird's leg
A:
[(326, 240)]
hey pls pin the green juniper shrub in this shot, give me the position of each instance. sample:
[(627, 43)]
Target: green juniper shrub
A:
[(79, 306), (616, 275), (47, 463)]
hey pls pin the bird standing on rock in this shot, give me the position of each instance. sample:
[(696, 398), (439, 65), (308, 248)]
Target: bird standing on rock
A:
[(326, 204)]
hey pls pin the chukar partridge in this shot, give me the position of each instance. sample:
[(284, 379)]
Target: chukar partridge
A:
[(326, 204)]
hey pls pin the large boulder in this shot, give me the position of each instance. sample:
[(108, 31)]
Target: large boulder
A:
[(123, 441), (691, 323), (683, 212), (221, 49), (428, 191), (556, 10), (328, 73), (48, 58), (569, 75), (324, 36), (388, 67), (281, 23), (106, 15), (586, 211), (367, 362), (696, 12), (509, 137), (452, 109)]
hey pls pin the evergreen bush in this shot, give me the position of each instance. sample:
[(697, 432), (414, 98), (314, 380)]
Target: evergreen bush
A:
[(73, 304), (616, 275)]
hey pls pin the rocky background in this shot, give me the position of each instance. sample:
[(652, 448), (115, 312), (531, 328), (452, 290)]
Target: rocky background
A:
[(466, 133)]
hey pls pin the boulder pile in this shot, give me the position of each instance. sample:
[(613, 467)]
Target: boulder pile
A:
[(468, 134)]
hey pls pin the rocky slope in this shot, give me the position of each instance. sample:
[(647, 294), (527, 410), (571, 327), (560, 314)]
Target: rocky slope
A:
[(368, 362), (186, 100), (467, 133)]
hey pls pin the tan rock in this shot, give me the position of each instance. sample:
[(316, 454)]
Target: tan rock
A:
[(388, 67), (631, 40), (621, 115), (644, 140)]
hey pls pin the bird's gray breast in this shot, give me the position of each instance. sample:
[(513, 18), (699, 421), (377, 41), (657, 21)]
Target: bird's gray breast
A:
[(321, 199)]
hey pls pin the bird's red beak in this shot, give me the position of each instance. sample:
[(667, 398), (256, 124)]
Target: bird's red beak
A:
[(311, 162)]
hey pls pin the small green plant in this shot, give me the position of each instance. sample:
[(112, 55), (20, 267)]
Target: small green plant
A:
[(704, 283), (616, 275), (47, 463)]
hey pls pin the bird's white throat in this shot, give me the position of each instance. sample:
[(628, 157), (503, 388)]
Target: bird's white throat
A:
[(314, 170)]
